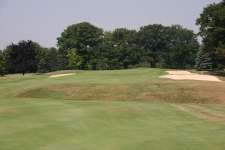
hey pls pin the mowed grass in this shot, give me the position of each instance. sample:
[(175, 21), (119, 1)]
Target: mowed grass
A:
[(110, 110)]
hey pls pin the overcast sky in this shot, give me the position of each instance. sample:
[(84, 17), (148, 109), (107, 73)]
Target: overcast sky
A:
[(43, 20)]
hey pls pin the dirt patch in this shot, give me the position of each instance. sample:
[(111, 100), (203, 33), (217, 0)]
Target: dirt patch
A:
[(186, 75), (61, 75)]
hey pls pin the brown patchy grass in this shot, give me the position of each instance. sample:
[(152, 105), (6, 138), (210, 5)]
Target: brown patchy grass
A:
[(6, 111), (213, 91), (162, 90)]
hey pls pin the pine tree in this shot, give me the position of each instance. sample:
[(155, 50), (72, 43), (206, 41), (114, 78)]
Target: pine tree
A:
[(204, 60)]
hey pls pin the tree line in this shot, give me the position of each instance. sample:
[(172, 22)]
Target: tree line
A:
[(87, 47)]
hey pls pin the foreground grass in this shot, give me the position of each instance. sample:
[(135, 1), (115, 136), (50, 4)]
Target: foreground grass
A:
[(125, 110), (56, 125)]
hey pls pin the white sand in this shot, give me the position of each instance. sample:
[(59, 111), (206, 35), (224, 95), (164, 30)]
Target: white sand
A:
[(61, 75), (186, 75)]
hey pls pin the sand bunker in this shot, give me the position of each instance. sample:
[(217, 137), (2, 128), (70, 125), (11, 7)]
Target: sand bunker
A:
[(61, 75), (186, 75)]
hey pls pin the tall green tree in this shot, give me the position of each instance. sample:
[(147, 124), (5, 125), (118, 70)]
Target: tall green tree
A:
[(84, 37), (125, 45), (212, 31), (170, 47), (21, 57), (181, 48), (153, 40)]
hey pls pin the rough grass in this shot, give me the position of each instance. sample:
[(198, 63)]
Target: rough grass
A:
[(133, 87), (111, 110)]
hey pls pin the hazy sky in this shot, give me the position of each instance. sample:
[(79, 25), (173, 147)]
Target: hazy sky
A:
[(43, 20)]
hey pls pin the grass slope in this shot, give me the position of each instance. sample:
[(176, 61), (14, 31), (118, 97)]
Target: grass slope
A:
[(123, 110)]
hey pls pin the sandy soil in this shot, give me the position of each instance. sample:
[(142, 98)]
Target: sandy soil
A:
[(186, 75), (61, 75)]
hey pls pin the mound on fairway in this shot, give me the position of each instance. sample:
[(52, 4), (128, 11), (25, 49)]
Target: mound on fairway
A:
[(116, 110), (127, 85)]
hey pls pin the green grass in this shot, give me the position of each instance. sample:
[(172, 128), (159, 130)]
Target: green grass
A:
[(110, 110)]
